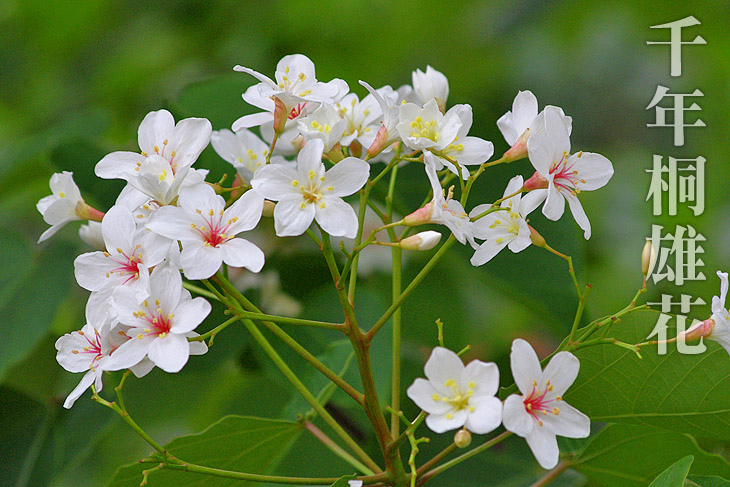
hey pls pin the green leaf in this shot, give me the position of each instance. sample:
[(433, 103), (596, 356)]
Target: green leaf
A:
[(683, 393), (706, 481), (675, 474), (37, 290), (238, 443), (628, 455)]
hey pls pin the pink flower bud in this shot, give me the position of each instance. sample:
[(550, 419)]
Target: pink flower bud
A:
[(421, 241), (420, 216)]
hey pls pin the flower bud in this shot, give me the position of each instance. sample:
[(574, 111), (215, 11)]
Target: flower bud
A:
[(536, 238), (648, 259), (537, 181), (420, 216), (421, 241), (268, 209), (462, 438), (86, 212)]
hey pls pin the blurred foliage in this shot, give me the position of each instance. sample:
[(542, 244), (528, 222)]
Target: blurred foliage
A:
[(78, 77)]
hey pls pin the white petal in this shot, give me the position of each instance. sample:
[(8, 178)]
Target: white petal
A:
[(274, 182), (91, 270), (525, 365), (247, 212), (487, 251), (422, 393), (173, 222), (346, 177), (336, 217), (143, 368), (170, 353), (531, 201), (291, 217), (86, 381), (569, 422), (118, 227), (441, 423), (561, 372), (554, 204), (542, 153), (443, 366), (309, 160), (475, 151), (154, 129), (718, 303), (252, 120), (515, 418), (189, 314), (118, 165), (486, 417), (485, 377), (129, 354), (544, 446), (579, 214), (239, 252), (189, 138), (166, 285), (200, 261), (592, 168)]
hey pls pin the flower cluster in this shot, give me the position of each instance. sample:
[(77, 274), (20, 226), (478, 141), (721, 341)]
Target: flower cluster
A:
[(316, 146), (456, 396)]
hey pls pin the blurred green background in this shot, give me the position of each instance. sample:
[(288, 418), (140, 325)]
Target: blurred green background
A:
[(76, 79)]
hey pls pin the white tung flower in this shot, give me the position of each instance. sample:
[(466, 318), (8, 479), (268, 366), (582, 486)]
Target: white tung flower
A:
[(540, 413), (324, 124), (504, 227), (293, 87), (442, 208), (465, 150), (207, 230), (717, 327), (159, 325), (64, 205), (523, 119), (431, 85), (179, 145), (427, 128), (244, 150), (565, 175), (309, 193), (456, 396), (129, 255), (86, 350)]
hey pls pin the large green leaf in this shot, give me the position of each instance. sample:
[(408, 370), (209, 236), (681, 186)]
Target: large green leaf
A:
[(675, 474), (238, 443), (32, 299), (629, 455), (683, 393)]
